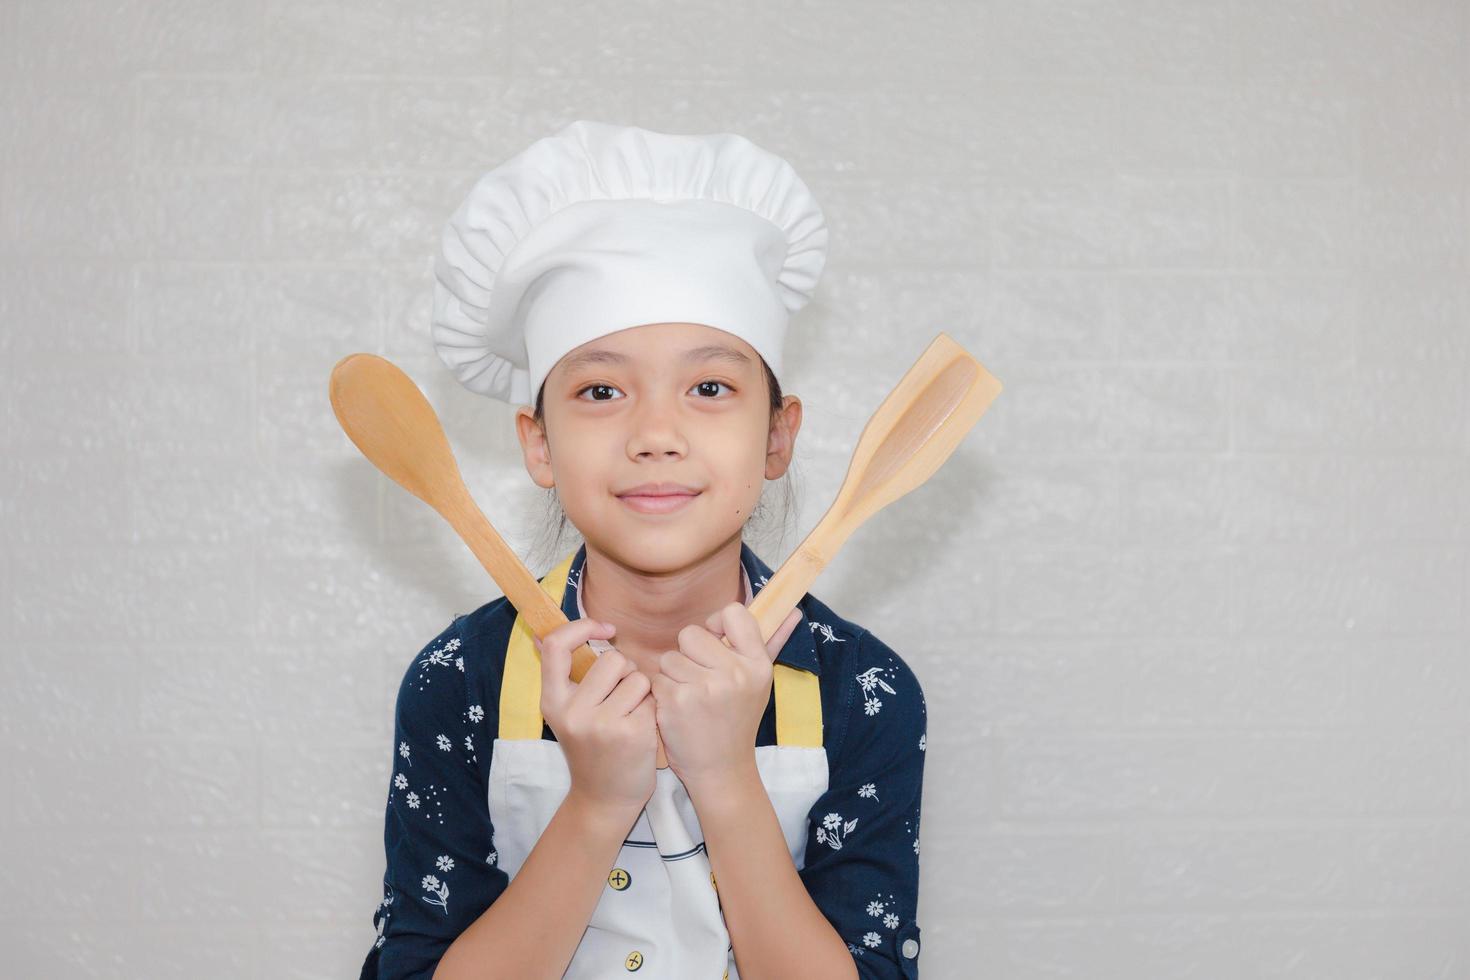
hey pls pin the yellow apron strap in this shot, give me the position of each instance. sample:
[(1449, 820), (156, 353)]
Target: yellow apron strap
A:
[(798, 693), (520, 688), (798, 706)]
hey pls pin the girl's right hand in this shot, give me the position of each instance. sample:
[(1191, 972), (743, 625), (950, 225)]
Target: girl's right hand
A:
[(605, 724)]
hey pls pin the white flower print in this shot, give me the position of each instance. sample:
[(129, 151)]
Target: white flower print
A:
[(833, 830), (437, 658), (867, 790), (444, 863), (921, 741), (400, 780), (440, 893), (490, 858), (459, 662), (916, 845), (443, 742), (403, 751), (869, 679), (477, 713), (825, 630), (469, 743), (385, 914), (872, 939), (413, 801), (879, 908)]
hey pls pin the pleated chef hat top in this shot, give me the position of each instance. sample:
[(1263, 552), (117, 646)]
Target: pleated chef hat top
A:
[(602, 227)]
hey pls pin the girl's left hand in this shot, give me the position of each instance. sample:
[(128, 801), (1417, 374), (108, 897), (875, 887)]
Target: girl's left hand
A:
[(709, 698)]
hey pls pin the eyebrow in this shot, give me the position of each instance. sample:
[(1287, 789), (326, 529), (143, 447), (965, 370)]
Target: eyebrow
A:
[(709, 352)]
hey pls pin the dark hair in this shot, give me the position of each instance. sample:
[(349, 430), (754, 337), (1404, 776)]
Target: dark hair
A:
[(773, 387)]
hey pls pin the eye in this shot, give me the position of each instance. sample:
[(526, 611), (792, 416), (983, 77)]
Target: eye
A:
[(607, 387), (712, 382), (591, 387)]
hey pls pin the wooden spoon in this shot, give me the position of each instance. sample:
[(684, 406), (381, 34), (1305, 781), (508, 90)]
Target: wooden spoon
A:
[(389, 419)]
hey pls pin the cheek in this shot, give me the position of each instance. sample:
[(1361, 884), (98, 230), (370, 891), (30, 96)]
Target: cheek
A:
[(574, 464), (745, 473)]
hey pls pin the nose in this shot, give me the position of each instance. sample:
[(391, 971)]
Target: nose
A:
[(657, 430)]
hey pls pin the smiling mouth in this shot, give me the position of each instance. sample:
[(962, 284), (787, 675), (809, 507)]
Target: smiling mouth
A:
[(659, 504)]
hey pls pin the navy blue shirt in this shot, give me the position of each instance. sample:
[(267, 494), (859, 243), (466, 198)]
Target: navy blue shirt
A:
[(862, 853)]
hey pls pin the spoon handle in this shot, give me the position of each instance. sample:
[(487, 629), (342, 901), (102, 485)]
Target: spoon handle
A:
[(541, 612)]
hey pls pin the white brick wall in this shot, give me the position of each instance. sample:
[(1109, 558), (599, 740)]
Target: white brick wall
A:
[(1205, 712)]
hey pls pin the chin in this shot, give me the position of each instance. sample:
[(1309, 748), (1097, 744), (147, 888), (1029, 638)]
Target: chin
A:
[(656, 549)]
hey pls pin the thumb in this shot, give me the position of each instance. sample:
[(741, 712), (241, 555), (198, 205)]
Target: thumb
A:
[(556, 654), (556, 671)]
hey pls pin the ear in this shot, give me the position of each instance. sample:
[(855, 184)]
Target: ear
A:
[(781, 442), (535, 448)]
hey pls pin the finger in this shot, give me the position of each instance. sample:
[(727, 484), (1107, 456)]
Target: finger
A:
[(556, 671), (556, 655), (662, 688), (702, 647), (645, 706), (741, 629), (678, 667), (783, 633), (603, 676), (630, 691), (647, 711), (715, 623)]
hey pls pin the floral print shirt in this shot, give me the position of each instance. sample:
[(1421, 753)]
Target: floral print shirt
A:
[(862, 856)]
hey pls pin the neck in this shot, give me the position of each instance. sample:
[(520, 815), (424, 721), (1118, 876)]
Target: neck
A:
[(649, 609)]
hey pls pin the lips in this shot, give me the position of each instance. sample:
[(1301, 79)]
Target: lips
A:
[(658, 498), (659, 490)]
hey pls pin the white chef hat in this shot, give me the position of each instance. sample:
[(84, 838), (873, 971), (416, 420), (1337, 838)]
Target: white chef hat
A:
[(602, 227)]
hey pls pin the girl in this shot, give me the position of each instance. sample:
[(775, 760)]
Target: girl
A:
[(635, 287)]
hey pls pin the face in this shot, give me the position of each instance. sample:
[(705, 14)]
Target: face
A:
[(679, 403)]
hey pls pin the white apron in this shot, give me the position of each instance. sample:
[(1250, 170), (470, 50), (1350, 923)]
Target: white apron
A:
[(659, 914)]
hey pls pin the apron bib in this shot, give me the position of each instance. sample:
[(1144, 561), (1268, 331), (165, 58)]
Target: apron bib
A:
[(659, 914)]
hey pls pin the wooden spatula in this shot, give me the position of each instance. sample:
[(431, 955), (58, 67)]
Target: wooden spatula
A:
[(912, 433)]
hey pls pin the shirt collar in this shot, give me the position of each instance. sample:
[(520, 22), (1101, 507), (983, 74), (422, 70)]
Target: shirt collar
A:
[(800, 650)]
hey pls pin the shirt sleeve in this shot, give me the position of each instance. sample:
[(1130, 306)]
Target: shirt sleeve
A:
[(441, 869), (862, 858)]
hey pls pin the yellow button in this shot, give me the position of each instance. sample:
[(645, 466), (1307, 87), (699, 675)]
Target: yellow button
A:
[(634, 961), (619, 879)]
